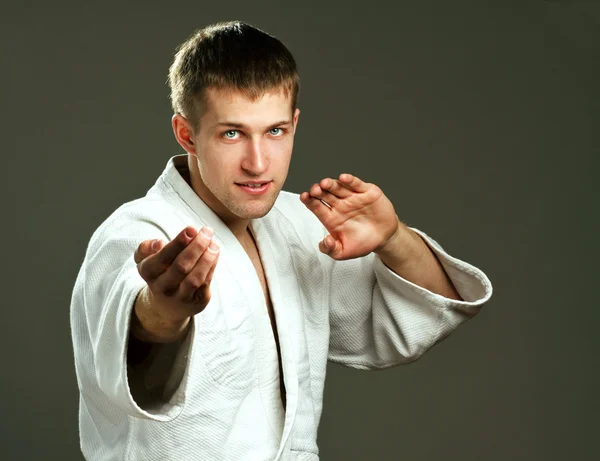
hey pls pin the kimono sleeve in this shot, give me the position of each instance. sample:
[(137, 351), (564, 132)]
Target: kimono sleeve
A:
[(101, 306), (379, 319)]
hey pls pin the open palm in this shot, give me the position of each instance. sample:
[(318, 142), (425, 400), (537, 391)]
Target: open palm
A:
[(357, 215)]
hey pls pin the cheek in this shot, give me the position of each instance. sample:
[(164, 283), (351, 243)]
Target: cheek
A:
[(215, 164), (283, 152)]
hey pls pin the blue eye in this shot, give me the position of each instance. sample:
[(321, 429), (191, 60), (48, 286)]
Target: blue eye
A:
[(278, 131), (230, 134)]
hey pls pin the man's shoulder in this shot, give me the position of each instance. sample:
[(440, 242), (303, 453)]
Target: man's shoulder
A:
[(149, 208), (138, 216)]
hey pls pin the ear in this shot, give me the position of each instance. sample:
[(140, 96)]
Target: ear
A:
[(183, 133), (296, 115)]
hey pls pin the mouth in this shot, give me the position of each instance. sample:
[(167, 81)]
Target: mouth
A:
[(254, 188)]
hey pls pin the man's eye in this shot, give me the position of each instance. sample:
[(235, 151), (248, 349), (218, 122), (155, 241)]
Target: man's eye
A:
[(275, 131), (230, 134)]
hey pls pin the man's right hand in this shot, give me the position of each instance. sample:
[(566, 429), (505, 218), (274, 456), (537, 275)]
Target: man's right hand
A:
[(178, 277)]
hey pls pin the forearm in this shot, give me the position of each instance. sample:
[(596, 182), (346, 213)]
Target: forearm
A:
[(410, 257), (149, 334), (152, 353)]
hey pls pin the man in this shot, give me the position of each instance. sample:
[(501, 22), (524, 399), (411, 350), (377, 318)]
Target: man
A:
[(204, 313)]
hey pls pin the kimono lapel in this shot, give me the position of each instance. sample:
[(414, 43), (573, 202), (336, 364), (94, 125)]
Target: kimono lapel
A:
[(284, 329)]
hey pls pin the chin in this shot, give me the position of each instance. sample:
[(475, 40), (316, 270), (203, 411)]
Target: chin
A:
[(257, 212), (254, 210)]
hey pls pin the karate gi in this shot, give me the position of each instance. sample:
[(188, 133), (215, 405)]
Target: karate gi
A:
[(222, 400)]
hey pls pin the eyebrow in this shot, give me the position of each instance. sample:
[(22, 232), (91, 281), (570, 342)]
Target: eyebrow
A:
[(241, 125)]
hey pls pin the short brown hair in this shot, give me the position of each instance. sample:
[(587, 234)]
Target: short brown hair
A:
[(230, 55)]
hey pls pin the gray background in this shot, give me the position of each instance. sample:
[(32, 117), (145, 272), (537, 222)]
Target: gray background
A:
[(479, 122)]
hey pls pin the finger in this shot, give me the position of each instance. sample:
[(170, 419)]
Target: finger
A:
[(335, 187), (317, 192), (147, 248), (202, 294), (315, 205), (353, 183), (155, 265), (168, 282), (211, 272), (197, 278), (329, 246)]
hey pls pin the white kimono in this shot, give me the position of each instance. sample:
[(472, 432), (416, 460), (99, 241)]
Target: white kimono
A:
[(222, 401)]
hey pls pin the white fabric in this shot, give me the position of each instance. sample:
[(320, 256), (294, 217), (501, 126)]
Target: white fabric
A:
[(223, 401)]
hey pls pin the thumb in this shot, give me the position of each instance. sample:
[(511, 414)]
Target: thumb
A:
[(330, 246)]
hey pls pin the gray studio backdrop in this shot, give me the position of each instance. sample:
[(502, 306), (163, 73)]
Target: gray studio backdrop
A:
[(480, 121)]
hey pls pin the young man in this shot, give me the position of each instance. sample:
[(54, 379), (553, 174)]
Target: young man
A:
[(204, 313)]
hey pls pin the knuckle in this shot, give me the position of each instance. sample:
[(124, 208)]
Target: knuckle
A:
[(209, 256), (202, 296), (201, 242), (194, 281), (214, 249), (182, 266)]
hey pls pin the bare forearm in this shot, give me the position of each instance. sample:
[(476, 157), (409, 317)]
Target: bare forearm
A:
[(410, 257)]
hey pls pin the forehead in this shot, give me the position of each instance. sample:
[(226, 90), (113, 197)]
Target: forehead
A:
[(232, 105)]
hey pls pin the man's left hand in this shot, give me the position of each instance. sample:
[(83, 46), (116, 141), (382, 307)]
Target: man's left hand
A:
[(359, 217)]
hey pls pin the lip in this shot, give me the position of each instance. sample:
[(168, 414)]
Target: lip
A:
[(255, 190)]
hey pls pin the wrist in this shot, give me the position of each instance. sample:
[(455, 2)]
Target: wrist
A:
[(148, 325), (402, 248)]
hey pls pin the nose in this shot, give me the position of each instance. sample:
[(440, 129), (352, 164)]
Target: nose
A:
[(255, 160)]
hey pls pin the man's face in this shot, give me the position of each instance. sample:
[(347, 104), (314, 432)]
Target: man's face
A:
[(240, 141)]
